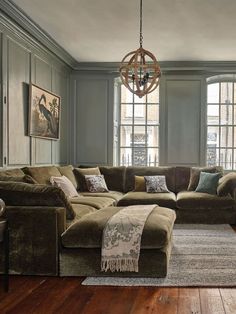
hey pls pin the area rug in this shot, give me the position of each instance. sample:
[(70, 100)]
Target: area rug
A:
[(202, 255)]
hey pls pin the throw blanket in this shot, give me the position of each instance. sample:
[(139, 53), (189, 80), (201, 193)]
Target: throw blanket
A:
[(122, 238)]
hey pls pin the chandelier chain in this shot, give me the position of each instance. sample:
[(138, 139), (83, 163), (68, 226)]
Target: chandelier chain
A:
[(141, 24)]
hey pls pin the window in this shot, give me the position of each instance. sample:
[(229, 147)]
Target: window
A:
[(221, 124), (139, 129)]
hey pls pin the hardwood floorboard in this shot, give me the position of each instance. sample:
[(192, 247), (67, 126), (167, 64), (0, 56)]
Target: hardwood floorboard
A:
[(229, 300), (189, 301), (46, 295)]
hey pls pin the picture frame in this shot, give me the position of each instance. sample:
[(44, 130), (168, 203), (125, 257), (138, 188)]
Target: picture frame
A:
[(44, 113)]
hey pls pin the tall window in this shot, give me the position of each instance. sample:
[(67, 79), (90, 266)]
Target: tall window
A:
[(221, 124), (139, 129)]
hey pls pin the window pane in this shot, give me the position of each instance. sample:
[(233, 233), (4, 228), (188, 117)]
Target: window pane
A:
[(226, 158), (125, 135), (126, 114), (226, 137), (153, 156), (125, 157), (153, 97), (140, 156), (139, 114), (126, 95), (153, 136), (226, 92), (138, 100), (213, 114), (213, 136), (213, 93), (153, 114), (212, 155), (139, 136), (226, 114)]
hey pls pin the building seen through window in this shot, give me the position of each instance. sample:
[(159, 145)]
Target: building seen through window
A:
[(139, 129)]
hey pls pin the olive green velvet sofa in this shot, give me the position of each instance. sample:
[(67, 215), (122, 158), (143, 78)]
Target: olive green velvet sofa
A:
[(41, 217)]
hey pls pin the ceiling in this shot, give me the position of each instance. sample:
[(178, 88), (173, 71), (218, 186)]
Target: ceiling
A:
[(105, 30)]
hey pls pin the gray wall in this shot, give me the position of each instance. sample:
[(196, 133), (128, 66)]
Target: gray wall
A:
[(24, 62)]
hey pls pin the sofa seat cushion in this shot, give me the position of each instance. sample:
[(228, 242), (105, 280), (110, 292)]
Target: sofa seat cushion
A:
[(80, 211), (96, 202), (195, 200), (116, 196), (137, 198), (87, 232)]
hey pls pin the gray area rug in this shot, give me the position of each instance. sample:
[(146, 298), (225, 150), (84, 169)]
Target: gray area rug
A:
[(202, 255)]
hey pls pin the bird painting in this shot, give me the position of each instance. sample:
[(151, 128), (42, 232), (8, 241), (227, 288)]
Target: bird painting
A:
[(44, 113)]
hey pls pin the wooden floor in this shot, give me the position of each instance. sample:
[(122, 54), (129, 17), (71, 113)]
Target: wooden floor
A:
[(30, 294)]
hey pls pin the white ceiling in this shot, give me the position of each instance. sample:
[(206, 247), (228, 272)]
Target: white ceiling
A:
[(105, 30)]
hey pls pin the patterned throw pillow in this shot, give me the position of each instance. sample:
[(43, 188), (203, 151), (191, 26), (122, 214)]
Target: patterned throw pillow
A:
[(65, 184), (156, 184), (96, 184)]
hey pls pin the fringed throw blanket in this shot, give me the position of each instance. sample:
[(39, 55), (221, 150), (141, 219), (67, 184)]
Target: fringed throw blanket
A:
[(122, 238)]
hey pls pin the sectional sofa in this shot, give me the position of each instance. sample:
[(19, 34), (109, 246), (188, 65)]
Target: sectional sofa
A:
[(46, 227)]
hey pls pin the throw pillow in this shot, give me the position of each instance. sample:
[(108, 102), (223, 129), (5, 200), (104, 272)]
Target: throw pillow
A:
[(80, 174), (65, 184), (156, 184), (195, 175), (227, 184), (42, 175), (139, 184), (96, 184), (208, 182)]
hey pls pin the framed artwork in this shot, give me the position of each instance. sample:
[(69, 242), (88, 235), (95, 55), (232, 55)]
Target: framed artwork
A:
[(44, 113)]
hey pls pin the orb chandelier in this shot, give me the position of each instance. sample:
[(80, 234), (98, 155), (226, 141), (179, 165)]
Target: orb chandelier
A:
[(139, 69)]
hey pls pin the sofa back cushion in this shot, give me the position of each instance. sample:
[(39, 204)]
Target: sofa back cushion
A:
[(68, 171), (16, 172), (131, 172), (114, 177), (24, 194), (182, 176), (195, 175), (42, 175)]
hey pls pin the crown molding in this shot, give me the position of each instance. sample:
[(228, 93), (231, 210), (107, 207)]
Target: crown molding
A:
[(166, 66), (26, 26)]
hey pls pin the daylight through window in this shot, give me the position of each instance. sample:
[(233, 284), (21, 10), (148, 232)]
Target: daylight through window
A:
[(139, 129), (221, 125)]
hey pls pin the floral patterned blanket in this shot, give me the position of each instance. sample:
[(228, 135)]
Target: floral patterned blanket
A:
[(122, 238)]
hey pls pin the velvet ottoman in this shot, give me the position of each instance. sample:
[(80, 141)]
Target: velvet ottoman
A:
[(80, 253)]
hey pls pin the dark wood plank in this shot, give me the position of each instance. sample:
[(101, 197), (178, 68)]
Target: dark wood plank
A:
[(167, 301), (113, 300), (21, 288), (146, 301), (40, 300)]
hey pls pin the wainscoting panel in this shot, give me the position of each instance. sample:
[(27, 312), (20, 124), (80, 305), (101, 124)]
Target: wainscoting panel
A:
[(92, 120), (43, 78), (60, 86), (183, 121), (18, 76)]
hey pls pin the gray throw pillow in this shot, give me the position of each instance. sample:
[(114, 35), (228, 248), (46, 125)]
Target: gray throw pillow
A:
[(208, 182), (96, 184), (156, 184)]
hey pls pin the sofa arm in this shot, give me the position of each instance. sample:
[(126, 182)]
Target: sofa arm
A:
[(227, 184), (34, 238)]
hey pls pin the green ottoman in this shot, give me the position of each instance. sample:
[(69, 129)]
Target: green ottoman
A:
[(80, 253)]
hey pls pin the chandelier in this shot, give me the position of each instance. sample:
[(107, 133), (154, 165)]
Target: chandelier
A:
[(139, 69)]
